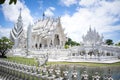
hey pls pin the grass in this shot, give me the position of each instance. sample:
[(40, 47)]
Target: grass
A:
[(22, 60), (85, 64), (31, 61)]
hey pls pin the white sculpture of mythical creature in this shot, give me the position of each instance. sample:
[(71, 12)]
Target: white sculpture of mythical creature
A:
[(41, 59)]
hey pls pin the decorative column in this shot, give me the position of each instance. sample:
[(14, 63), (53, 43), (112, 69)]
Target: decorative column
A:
[(29, 34)]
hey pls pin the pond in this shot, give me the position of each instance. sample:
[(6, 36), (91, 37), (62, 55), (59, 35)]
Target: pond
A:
[(102, 71)]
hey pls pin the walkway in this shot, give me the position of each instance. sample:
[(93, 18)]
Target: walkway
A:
[(83, 60)]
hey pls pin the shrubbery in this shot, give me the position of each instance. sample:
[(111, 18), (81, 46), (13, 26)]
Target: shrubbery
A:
[(71, 43)]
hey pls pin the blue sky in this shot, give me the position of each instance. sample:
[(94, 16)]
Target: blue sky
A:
[(76, 16)]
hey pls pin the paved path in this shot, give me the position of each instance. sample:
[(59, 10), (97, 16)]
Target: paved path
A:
[(81, 60)]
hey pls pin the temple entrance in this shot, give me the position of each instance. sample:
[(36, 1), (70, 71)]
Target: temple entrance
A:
[(40, 46), (36, 45), (51, 43), (56, 40)]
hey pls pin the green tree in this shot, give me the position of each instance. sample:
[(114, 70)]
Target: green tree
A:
[(10, 2), (109, 42), (66, 47), (118, 44), (5, 46), (72, 43)]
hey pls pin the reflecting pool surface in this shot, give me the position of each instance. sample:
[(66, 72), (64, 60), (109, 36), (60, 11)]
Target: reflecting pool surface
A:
[(114, 72)]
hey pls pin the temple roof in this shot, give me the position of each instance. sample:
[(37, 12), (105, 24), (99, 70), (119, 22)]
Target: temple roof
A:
[(92, 37), (46, 26)]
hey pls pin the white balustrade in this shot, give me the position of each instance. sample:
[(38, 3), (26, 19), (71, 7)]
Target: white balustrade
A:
[(15, 71)]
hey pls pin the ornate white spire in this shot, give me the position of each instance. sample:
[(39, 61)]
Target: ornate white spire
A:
[(20, 12), (19, 22), (29, 36), (92, 37), (17, 31)]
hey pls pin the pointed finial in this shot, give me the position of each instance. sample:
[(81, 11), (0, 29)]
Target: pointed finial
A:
[(43, 15), (94, 29), (20, 17), (20, 12), (20, 9), (59, 17), (90, 28)]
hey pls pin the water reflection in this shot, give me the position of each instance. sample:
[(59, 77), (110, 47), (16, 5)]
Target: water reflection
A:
[(101, 73)]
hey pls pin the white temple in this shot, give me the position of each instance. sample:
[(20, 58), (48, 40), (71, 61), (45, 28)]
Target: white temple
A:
[(92, 38), (46, 37), (94, 48), (47, 32)]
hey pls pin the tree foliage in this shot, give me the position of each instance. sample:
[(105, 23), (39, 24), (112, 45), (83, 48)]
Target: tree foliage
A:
[(118, 44), (72, 43), (5, 46), (66, 47), (10, 2), (109, 42)]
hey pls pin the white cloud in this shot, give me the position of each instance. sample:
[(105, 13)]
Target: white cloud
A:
[(49, 11), (88, 2), (4, 31), (11, 13), (101, 18), (68, 2)]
